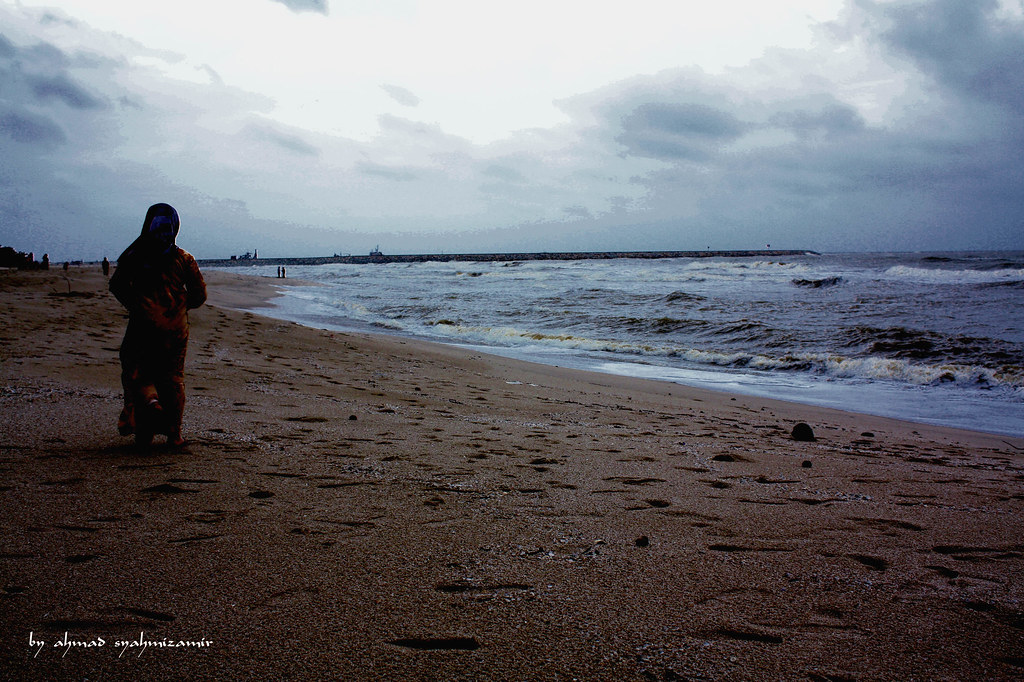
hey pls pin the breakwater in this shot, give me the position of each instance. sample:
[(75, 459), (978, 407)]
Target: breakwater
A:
[(503, 257)]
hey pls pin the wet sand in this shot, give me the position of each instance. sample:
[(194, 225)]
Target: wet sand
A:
[(367, 507)]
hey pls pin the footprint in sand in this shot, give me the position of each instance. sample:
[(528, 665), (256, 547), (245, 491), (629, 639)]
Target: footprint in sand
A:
[(743, 636), (143, 613), (438, 643), (872, 562), (167, 489)]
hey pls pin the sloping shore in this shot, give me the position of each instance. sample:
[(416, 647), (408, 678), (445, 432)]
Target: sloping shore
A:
[(365, 507)]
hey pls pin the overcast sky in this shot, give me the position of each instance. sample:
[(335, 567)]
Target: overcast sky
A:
[(309, 127)]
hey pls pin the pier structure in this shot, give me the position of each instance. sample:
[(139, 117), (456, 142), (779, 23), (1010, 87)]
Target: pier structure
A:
[(376, 257)]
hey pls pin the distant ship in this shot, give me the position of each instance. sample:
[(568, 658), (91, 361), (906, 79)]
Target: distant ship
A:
[(376, 253)]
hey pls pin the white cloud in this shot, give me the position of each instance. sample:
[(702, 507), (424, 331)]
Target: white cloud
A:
[(401, 95)]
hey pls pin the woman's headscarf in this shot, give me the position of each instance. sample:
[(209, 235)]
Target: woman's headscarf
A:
[(159, 230)]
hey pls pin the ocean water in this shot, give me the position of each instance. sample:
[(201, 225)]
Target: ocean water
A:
[(935, 338)]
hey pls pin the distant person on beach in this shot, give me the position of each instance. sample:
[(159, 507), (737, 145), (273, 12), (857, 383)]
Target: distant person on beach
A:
[(46, 261), (106, 266), (158, 283)]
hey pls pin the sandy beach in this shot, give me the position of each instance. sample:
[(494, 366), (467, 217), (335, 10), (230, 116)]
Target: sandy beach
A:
[(368, 507)]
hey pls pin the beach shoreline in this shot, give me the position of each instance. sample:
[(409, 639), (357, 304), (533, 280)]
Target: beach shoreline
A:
[(365, 506), (919, 391)]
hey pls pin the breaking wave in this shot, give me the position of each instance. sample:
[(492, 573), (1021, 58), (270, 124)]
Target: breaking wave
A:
[(900, 342), (961, 277), (903, 369)]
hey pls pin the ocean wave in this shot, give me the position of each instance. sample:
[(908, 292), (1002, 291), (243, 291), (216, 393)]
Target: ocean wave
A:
[(701, 270), (818, 283), (1002, 265), (967, 376), (942, 276), (744, 332), (730, 269), (683, 297), (659, 325), (870, 368), (904, 343), (740, 332), (833, 366), (1017, 284)]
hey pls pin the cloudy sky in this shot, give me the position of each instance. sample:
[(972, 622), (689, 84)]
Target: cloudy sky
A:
[(309, 127)]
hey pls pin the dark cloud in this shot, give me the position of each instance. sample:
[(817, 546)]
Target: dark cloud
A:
[(32, 129), (39, 58), (63, 89), (129, 103), (50, 19), (319, 6), (678, 130), (397, 174), (684, 120), (966, 46), (286, 141), (832, 119), (44, 56), (800, 164), (41, 71), (295, 144), (7, 49), (577, 212), (504, 173)]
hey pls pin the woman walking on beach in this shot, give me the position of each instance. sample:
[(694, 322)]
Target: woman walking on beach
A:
[(158, 283)]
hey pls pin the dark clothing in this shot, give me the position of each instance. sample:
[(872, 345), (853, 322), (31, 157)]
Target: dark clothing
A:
[(160, 293), (158, 283)]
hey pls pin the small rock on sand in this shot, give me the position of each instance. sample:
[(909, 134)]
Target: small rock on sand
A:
[(803, 432)]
